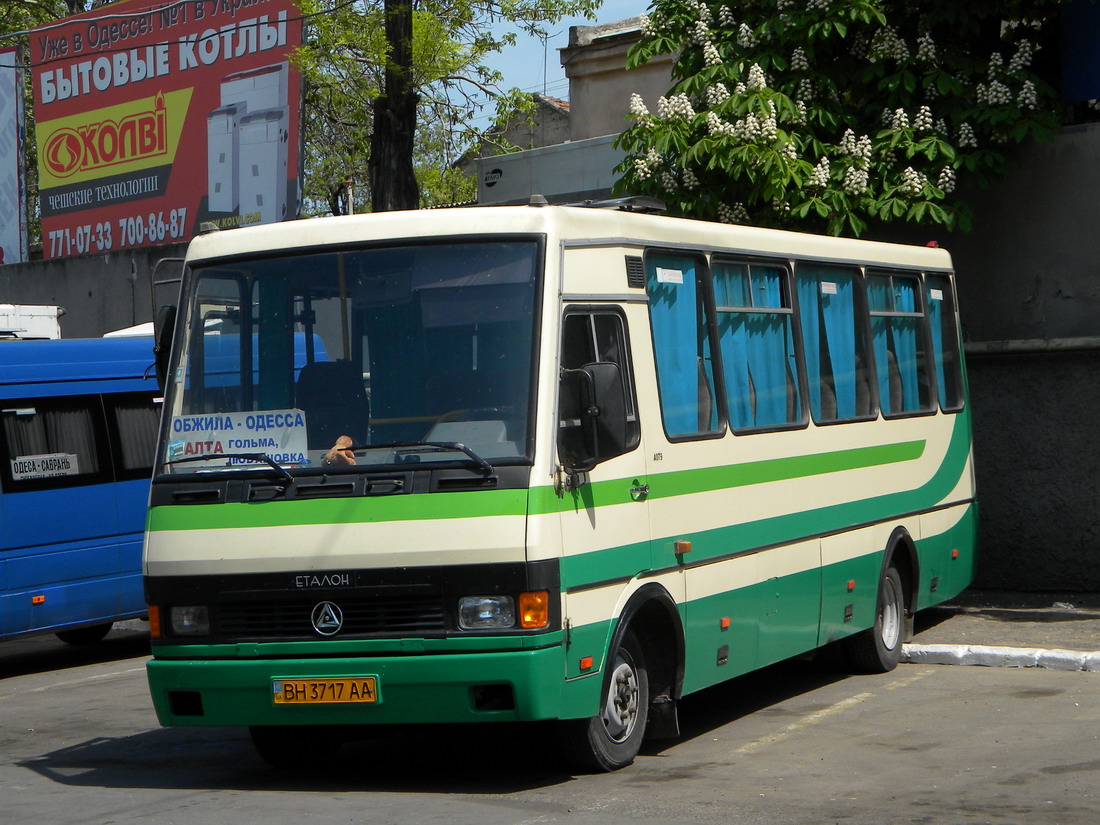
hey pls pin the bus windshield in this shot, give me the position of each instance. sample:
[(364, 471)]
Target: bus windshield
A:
[(342, 359)]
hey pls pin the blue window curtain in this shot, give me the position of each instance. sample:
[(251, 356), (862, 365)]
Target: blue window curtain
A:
[(935, 317), (758, 354), (731, 289), (809, 312), (906, 332), (945, 341), (896, 342), (881, 299), (684, 373), (827, 308), (838, 310)]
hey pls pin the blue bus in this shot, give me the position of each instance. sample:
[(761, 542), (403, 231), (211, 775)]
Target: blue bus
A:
[(78, 428)]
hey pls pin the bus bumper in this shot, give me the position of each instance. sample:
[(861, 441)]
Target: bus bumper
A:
[(524, 685)]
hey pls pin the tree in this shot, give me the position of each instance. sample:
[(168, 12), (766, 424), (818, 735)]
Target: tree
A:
[(390, 166), (363, 95), (17, 17), (834, 114)]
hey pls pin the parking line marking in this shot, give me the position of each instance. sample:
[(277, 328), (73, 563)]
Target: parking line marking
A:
[(83, 681), (812, 719)]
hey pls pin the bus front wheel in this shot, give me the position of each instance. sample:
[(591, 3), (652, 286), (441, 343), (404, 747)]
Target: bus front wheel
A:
[(878, 649), (611, 739)]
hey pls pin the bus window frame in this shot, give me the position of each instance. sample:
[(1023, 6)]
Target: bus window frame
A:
[(924, 331), (111, 403), (705, 294), (634, 415), (801, 378), (861, 322), (92, 403), (956, 331)]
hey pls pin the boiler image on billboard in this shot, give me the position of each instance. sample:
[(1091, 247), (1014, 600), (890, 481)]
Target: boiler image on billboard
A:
[(162, 115)]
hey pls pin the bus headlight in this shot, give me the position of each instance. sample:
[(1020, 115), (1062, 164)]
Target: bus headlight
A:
[(486, 612), (192, 620)]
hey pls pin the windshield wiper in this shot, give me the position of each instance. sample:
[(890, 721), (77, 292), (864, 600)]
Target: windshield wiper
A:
[(477, 460), (259, 458)]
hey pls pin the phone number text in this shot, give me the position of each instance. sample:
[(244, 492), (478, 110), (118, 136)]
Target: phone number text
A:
[(107, 235)]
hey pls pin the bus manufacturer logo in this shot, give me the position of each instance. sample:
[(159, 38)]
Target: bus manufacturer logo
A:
[(109, 142), (327, 618), (322, 580)]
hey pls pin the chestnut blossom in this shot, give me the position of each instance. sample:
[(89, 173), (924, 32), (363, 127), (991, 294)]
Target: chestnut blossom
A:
[(819, 178)]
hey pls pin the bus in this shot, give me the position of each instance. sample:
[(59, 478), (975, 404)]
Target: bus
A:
[(558, 464), (78, 432)]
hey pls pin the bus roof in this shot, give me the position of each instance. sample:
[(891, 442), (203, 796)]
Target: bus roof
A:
[(59, 366), (562, 223)]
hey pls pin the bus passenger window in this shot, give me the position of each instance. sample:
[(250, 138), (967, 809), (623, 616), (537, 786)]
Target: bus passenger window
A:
[(945, 342), (834, 343), (756, 335), (897, 338), (50, 442), (681, 344), (136, 419)]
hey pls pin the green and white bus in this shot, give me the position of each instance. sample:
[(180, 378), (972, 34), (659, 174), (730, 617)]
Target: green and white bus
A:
[(543, 463)]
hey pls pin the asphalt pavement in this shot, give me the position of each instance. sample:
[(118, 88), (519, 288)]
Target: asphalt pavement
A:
[(1007, 629)]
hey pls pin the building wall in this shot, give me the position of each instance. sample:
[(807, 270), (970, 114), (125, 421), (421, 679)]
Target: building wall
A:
[(1037, 454), (1029, 293), (100, 293), (599, 85)]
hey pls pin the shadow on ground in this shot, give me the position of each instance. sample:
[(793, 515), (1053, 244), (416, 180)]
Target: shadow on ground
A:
[(439, 759)]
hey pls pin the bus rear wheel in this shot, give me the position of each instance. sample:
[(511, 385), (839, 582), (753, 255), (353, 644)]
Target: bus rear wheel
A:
[(878, 649), (611, 739)]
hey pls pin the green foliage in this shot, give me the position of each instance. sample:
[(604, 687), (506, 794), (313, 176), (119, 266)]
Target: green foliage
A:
[(343, 64), (832, 115)]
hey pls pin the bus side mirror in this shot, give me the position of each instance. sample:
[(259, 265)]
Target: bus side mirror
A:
[(162, 349), (593, 423)]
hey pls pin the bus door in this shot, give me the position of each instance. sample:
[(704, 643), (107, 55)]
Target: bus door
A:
[(604, 510), (59, 512)]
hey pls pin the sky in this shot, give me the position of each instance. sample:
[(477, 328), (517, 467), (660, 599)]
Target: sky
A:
[(531, 68)]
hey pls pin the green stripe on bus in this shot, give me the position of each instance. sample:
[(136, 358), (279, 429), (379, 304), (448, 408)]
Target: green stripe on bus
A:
[(630, 559), (686, 482), (359, 510)]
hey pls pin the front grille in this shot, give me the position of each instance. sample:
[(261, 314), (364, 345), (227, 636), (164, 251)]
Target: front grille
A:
[(282, 616)]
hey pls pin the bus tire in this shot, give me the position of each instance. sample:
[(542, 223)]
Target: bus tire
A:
[(611, 739), (85, 635), (878, 649)]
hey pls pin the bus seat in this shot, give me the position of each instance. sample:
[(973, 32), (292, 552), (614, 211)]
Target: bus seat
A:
[(331, 395)]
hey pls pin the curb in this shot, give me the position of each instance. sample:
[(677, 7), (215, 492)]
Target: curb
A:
[(990, 656)]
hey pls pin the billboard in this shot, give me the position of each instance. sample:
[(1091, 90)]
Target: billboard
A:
[(13, 208), (153, 116)]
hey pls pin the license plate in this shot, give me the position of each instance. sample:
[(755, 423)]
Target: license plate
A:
[(324, 691)]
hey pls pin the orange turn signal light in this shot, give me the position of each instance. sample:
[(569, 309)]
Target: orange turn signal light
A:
[(955, 553), (851, 585), (38, 599), (154, 621), (534, 609), (725, 623), (683, 547), (586, 662)]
